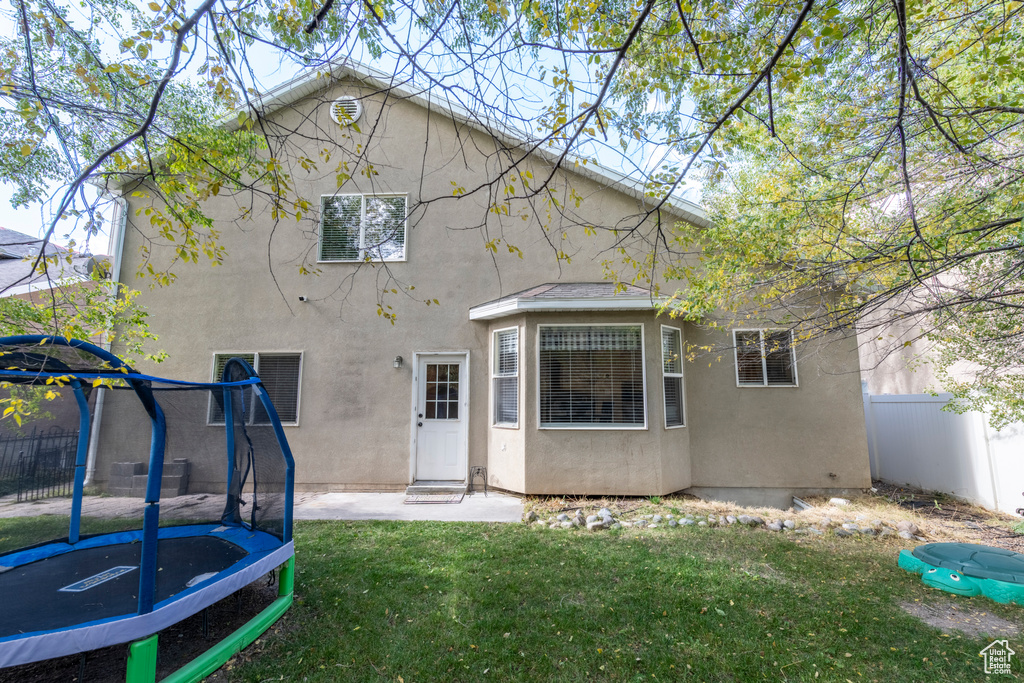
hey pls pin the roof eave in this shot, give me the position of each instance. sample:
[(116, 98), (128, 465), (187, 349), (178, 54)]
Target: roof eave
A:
[(507, 307)]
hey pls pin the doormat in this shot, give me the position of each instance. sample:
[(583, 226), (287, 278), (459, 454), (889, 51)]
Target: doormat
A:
[(436, 498)]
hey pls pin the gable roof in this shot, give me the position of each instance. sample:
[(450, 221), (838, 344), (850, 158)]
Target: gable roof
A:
[(567, 296), (297, 88), (17, 252)]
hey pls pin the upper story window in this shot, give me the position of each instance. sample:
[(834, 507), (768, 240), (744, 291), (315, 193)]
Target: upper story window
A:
[(505, 377), (764, 358), (358, 227), (672, 373), (592, 376), (280, 374)]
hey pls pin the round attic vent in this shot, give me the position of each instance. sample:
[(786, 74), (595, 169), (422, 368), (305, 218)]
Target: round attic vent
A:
[(346, 110)]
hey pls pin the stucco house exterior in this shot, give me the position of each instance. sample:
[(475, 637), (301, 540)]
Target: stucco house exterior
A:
[(532, 367)]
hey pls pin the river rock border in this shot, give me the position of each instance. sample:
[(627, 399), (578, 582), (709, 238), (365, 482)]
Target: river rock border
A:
[(605, 519)]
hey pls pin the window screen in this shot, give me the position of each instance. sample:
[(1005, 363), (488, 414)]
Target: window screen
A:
[(591, 375), (764, 358), (279, 372), (506, 377), (672, 372), (359, 227)]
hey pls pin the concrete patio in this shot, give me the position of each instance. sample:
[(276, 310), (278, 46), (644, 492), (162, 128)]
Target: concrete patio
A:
[(476, 507)]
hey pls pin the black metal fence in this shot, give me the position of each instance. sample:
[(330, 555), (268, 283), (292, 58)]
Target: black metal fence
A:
[(40, 464)]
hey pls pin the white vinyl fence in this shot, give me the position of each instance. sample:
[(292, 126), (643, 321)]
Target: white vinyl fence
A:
[(911, 440)]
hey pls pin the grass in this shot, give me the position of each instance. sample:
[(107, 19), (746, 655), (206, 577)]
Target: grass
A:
[(408, 602), (19, 532)]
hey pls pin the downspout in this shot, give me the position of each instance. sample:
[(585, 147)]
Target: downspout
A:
[(116, 245)]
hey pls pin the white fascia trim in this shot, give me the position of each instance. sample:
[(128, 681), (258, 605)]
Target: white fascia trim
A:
[(500, 309)]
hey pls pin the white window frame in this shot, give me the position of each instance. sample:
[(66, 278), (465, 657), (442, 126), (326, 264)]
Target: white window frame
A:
[(596, 426), (764, 360), (362, 257), (256, 354), (495, 375), (673, 375)]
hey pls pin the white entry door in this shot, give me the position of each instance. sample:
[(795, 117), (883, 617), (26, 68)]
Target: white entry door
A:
[(442, 418)]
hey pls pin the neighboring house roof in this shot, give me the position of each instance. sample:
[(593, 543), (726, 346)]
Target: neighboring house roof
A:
[(572, 296), (17, 254), (308, 84)]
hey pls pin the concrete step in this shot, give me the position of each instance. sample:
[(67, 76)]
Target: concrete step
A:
[(426, 488)]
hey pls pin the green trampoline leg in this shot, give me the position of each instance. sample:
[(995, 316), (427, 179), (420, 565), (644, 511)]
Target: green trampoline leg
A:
[(286, 578), (142, 661)]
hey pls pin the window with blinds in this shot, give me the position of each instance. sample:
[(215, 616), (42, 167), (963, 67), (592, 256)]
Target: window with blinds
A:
[(672, 375), (505, 377), (764, 358), (591, 376), (362, 227), (280, 374)]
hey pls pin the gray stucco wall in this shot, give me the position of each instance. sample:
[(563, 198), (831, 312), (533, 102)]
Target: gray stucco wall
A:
[(355, 422)]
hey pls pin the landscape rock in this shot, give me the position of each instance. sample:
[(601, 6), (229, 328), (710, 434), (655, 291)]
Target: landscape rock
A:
[(563, 517), (656, 519), (591, 518), (789, 524), (604, 512), (578, 521), (838, 501), (773, 525), (844, 532), (906, 535), (686, 521), (850, 526), (702, 523), (825, 522), (641, 523), (595, 526), (673, 522), (565, 525), (529, 517), (730, 519), (616, 525), (905, 525), (815, 531)]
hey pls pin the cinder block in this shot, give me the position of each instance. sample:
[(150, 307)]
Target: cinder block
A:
[(172, 482), (120, 481), (119, 491), (169, 493), (126, 469), (176, 469), (139, 481), (184, 460)]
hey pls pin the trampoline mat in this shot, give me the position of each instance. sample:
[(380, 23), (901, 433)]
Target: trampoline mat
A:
[(102, 582)]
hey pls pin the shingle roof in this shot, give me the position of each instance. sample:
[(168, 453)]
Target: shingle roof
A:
[(567, 296), (16, 257)]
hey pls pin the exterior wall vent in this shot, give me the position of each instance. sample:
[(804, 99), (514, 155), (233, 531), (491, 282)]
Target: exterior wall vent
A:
[(346, 110)]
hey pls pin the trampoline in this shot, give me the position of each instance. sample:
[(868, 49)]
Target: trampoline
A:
[(87, 591)]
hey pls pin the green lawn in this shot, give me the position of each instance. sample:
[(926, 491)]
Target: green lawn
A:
[(412, 602)]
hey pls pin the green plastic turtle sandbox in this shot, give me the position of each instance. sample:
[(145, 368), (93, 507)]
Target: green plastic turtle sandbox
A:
[(968, 569)]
